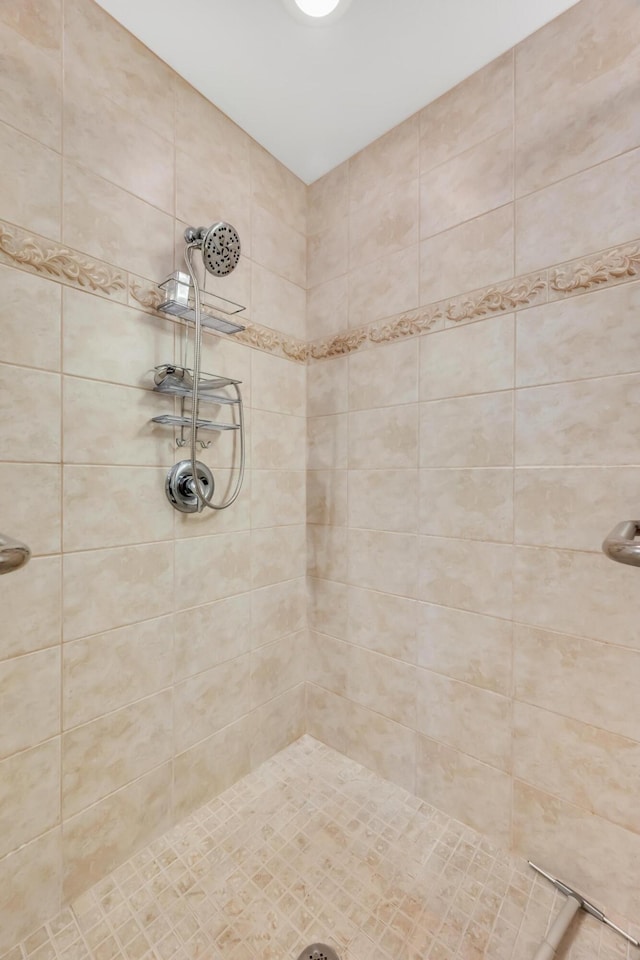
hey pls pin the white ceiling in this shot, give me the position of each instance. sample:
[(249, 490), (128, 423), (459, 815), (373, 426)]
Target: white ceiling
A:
[(314, 95)]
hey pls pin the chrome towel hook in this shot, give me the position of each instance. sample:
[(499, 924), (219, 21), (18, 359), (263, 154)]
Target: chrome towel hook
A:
[(621, 545), (13, 554)]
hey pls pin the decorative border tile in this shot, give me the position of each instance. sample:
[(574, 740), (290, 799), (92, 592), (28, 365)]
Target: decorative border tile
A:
[(616, 265), (502, 298), (44, 257), (609, 267)]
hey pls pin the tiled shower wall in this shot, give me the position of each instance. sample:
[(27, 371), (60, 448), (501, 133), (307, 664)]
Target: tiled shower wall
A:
[(147, 659), (471, 642)]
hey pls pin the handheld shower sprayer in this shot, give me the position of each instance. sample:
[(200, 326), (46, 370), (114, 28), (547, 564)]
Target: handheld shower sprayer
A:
[(219, 246)]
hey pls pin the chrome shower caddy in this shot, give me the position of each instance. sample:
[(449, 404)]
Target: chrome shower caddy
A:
[(177, 382)]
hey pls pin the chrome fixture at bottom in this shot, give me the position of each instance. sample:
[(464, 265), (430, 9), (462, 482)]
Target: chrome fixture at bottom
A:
[(318, 951), (181, 489), (13, 554), (621, 545)]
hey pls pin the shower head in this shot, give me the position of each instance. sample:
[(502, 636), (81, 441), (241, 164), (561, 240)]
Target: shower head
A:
[(219, 245)]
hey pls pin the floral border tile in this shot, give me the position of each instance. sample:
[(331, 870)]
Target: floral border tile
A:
[(616, 265), (57, 262)]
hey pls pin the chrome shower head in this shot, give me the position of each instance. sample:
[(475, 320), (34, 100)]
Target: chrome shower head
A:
[(219, 245)]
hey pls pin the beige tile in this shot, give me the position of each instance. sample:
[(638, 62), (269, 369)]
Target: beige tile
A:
[(277, 497), (565, 116), (116, 145), (91, 328), (30, 695), (476, 358), (30, 193), (34, 515), (277, 724), (465, 717), (472, 431), (30, 603), (327, 552), (277, 553), (326, 716), (383, 622), (211, 568), (466, 646), (389, 226), (327, 385), (328, 199), (36, 343), (104, 755), (328, 663), (466, 574), (591, 336), (276, 667), (571, 842), (204, 199), (588, 681), (204, 771), (477, 504), (278, 610), (328, 308), (277, 303), (109, 671), (98, 50), (385, 438), (277, 246), (32, 431), (140, 519), (384, 376), (211, 700), (327, 496), (584, 213), (382, 684), (585, 422), (94, 213), (39, 23), (471, 255), (328, 607), (383, 561), (592, 768), (103, 836), (376, 293), (477, 108), (120, 600), (572, 507), (378, 743), (278, 386), (327, 442), (208, 635), (383, 500), (29, 795), (328, 253), (467, 789), (384, 165), (277, 189), (277, 441), (30, 884), (203, 130), (109, 424), (468, 185)]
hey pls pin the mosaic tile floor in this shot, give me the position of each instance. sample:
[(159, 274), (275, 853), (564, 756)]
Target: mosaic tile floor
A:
[(309, 847)]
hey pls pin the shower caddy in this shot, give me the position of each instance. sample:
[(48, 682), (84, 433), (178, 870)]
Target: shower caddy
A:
[(176, 381)]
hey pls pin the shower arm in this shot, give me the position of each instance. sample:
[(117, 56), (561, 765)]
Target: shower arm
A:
[(195, 484)]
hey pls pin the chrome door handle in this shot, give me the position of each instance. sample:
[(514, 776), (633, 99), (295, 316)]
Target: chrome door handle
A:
[(621, 544), (13, 554)]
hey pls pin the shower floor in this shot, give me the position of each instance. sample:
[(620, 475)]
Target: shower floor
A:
[(313, 847)]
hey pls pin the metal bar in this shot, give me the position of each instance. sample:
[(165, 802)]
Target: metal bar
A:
[(585, 904)]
